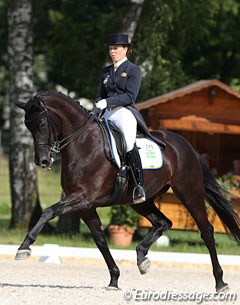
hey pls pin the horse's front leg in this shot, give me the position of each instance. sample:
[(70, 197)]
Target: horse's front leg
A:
[(69, 204), (24, 250), (91, 218)]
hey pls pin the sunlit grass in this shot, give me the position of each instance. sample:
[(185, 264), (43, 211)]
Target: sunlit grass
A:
[(180, 241), (48, 184)]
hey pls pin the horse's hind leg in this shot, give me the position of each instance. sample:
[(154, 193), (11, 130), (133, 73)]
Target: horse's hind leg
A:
[(160, 224), (195, 204), (93, 221)]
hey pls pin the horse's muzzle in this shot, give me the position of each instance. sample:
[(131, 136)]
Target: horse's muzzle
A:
[(45, 163)]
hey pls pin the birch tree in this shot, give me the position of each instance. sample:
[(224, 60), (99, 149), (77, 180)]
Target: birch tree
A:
[(23, 176), (131, 19)]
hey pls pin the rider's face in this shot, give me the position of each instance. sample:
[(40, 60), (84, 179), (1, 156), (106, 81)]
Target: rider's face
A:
[(117, 52)]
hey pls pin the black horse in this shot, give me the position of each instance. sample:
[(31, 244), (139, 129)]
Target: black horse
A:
[(88, 179)]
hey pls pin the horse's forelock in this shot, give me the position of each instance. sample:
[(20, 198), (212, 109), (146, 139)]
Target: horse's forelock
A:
[(32, 110), (32, 106)]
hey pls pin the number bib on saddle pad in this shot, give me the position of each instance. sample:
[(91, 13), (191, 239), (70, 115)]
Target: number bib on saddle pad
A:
[(150, 153)]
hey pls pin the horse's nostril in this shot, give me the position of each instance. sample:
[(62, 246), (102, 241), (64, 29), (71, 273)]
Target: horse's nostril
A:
[(44, 163)]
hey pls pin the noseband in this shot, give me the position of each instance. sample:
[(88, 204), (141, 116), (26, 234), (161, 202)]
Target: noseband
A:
[(55, 145)]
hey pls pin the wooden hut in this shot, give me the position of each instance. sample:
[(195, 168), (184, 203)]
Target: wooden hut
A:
[(207, 113)]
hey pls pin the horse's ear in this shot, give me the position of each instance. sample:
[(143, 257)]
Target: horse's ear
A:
[(20, 104)]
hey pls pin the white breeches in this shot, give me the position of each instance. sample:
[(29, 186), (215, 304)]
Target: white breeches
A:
[(126, 122)]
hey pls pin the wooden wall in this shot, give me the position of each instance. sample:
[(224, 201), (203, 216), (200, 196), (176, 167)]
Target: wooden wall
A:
[(210, 105), (222, 108), (182, 220), (222, 148)]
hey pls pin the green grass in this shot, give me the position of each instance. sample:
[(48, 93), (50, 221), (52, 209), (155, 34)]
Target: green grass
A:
[(50, 192), (180, 241), (48, 183), (4, 185), (49, 186)]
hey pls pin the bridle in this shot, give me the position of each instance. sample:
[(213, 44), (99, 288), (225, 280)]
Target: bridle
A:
[(55, 145)]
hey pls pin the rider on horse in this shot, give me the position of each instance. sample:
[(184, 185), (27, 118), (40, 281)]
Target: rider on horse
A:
[(118, 90)]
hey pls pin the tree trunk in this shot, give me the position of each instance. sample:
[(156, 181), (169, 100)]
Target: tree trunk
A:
[(23, 176), (130, 21)]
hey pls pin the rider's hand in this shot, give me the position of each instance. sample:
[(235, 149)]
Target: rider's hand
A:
[(102, 104)]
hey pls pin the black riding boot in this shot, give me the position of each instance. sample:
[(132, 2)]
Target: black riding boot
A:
[(136, 168)]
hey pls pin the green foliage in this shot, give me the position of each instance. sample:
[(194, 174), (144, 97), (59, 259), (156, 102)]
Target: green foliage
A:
[(176, 42), (184, 41), (180, 241), (217, 51), (73, 43), (155, 50), (48, 185), (230, 182), (123, 215)]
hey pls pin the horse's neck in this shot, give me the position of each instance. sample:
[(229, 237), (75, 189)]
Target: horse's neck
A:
[(68, 117)]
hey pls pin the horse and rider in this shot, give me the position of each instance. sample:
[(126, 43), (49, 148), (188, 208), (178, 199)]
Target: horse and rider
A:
[(59, 124)]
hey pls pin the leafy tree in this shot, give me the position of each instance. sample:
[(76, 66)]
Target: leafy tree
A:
[(74, 45), (160, 42), (178, 42), (216, 53)]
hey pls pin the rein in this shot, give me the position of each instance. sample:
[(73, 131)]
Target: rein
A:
[(59, 145), (54, 144)]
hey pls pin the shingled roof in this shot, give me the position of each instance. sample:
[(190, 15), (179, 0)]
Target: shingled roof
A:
[(195, 87)]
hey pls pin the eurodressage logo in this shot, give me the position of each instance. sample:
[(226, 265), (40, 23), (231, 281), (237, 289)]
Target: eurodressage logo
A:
[(196, 297)]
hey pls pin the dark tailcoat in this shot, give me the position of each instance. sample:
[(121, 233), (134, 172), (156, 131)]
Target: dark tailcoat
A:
[(120, 88)]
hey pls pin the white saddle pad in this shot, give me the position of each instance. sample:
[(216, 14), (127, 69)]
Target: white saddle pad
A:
[(150, 153)]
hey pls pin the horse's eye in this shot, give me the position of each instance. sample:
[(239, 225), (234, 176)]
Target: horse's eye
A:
[(42, 125)]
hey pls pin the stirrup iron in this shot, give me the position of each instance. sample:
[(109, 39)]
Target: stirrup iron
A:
[(139, 195)]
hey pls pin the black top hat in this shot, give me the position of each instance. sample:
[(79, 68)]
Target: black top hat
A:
[(118, 39)]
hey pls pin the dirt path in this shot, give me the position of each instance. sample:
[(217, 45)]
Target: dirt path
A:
[(83, 282)]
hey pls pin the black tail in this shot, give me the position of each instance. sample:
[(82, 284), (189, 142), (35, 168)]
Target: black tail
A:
[(223, 207)]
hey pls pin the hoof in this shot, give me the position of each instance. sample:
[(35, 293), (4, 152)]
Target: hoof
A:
[(112, 288), (22, 254), (144, 266), (224, 288)]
